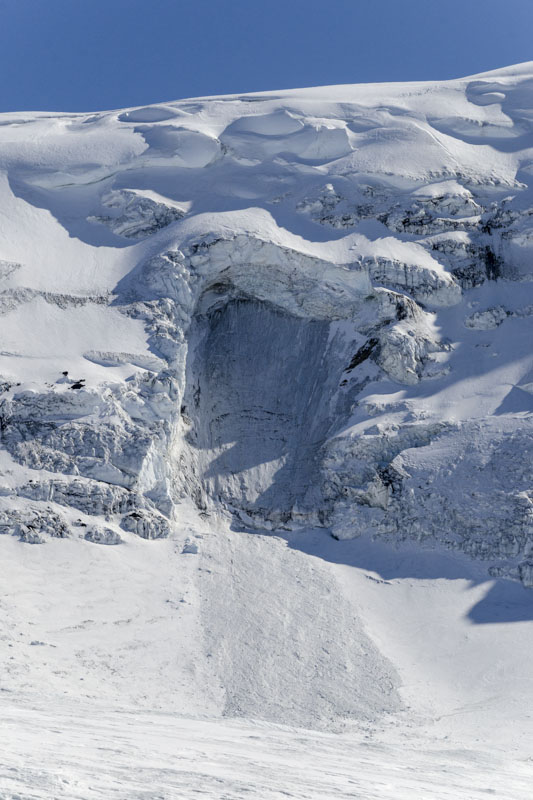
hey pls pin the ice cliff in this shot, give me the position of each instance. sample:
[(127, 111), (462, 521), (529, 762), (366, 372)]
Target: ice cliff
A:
[(308, 308)]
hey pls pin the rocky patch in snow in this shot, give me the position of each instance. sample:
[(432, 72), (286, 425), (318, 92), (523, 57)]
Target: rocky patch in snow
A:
[(137, 214)]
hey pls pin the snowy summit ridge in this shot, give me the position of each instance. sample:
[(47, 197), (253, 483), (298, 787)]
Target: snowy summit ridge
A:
[(269, 313)]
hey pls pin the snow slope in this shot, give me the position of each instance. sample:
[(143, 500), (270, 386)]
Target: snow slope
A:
[(266, 390), (134, 756)]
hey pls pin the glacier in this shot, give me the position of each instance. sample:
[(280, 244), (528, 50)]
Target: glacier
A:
[(252, 345)]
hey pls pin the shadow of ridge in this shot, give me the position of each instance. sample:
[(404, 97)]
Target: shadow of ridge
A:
[(504, 601), (516, 401), (70, 207)]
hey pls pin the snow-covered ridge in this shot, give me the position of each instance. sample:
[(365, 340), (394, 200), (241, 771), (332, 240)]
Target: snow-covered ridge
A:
[(307, 307)]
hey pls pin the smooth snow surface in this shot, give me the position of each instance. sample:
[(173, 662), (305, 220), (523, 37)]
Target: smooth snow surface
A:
[(266, 394)]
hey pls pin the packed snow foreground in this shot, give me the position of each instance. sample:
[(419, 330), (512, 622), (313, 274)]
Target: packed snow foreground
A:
[(266, 378)]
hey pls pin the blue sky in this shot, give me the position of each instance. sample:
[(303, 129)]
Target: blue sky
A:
[(96, 54)]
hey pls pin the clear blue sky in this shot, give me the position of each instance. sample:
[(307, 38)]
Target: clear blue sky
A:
[(97, 54)]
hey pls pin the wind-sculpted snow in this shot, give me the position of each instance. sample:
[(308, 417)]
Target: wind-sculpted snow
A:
[(304, 309)]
